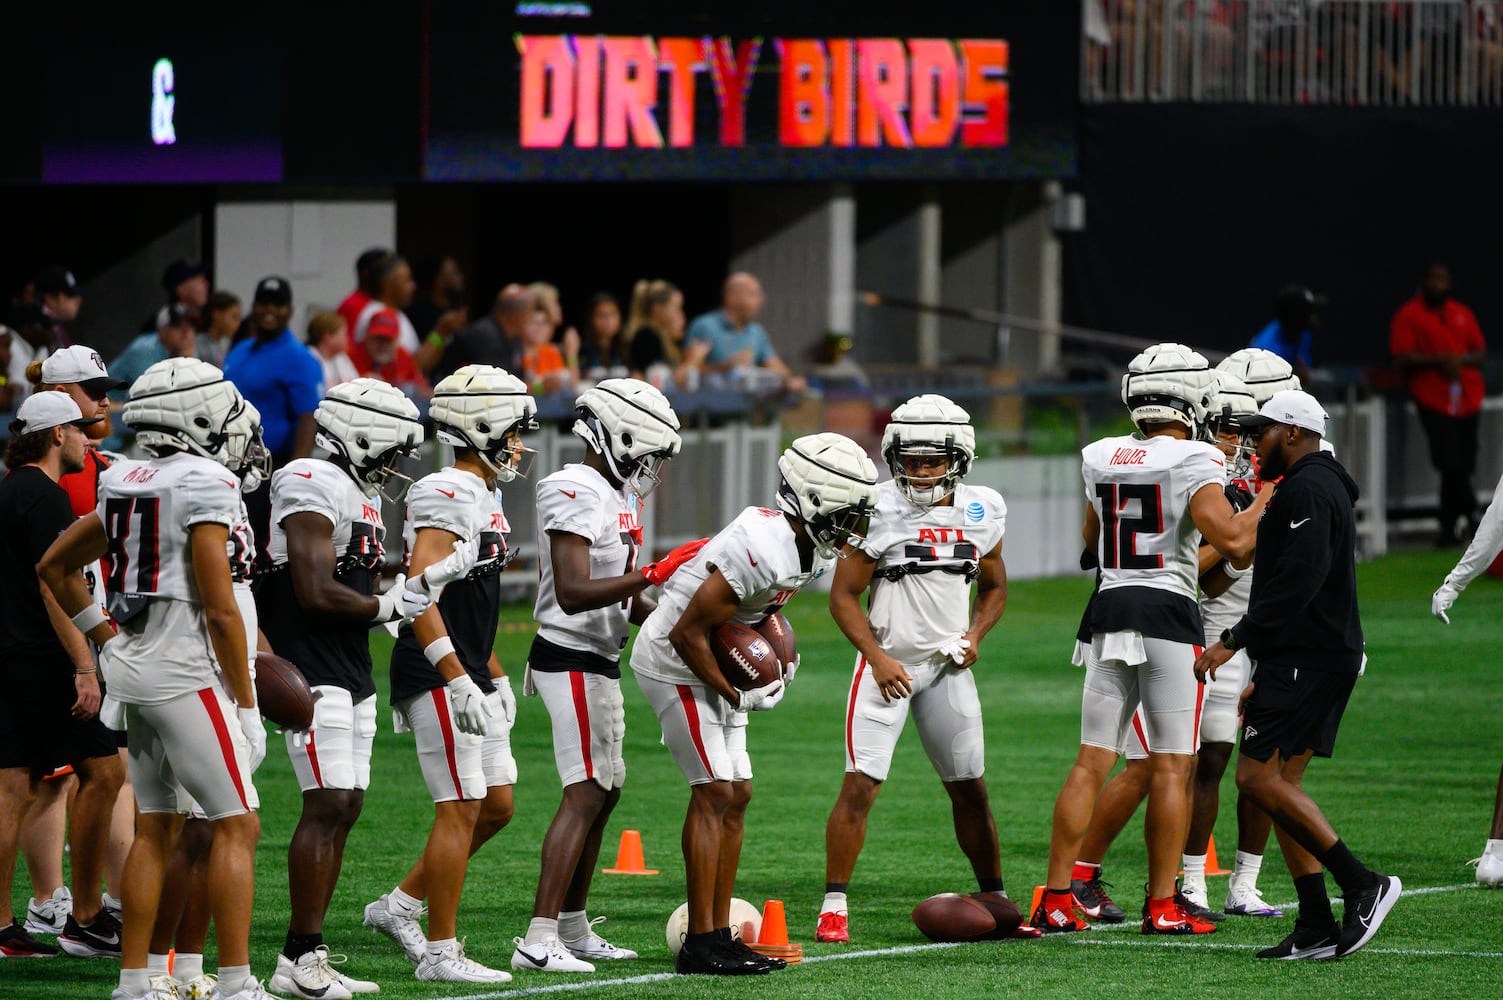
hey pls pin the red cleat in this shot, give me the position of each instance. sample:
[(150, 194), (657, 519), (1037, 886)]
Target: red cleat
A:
[(1056, 914), (833, 927), (1165, 916)]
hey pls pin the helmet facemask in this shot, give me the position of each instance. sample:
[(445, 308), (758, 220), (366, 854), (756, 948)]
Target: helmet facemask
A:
[(246, 453), (902, 459), (511, 458)]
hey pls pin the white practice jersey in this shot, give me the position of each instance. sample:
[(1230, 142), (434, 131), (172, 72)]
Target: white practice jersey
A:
[(312, 484), (758, 555), (1220, 613), (149, 509), (577, 500), (460, 503), (926, 559), (1141, 490)]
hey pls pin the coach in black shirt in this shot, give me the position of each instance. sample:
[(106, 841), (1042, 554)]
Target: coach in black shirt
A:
[(49, 712), (1304, 636)]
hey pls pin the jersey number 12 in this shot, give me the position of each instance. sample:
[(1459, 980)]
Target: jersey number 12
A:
[(1119, 535)]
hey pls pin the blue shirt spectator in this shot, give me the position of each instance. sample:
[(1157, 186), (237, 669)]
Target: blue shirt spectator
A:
[(1292, 347), (1296, 312), (726, 340), (735, 337), (280, 378)]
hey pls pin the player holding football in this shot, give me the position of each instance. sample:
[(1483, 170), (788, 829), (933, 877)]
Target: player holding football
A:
[(317, 604), (165, 525), (1150, 495), (930, 538), (447, 687), (745, 574), (589, 593)]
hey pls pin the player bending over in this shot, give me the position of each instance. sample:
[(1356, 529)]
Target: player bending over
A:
[(930, 538)]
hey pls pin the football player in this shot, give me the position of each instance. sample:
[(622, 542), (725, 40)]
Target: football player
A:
[(589, 593), (447, 686), (1149, 494), (165, 525), (317, 604), (931, 537), (745, 574)]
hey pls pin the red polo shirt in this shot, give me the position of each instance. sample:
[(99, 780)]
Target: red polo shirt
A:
[(1451, 329), (353, 305)]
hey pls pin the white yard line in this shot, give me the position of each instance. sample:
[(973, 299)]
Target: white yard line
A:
[(1423, 891)]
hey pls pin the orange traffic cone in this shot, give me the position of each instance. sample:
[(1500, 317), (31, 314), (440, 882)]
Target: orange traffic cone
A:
[(772, 939), (1213, 867), (1038, 898), (629, 859), (171, 959)]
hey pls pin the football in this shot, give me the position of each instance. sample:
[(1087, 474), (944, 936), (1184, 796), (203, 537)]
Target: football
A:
[(746, 659), (953, 917), (1004, 911), (746, 922), (779, 635), (282, 693)]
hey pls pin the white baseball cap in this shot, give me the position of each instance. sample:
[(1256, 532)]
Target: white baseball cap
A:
[(1289, 406), (43, 411), (80, 365)]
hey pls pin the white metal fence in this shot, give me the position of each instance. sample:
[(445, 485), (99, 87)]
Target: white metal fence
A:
[(1341, 52)]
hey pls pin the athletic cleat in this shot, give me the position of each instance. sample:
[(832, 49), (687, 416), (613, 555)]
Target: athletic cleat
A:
[(737, 948), (49, 916), (595, 948), (405, 931), (1091, 897), (1195, 905), (116, 908), (1305, 942), (1489, 871), (833, 928), (16, 943), (452, 966), (1363, 914), (1174, 919), (101, 939), (160, 988), (1057, 919), (309, 977), (716, 961), (1244, 900), (204, 987), (252, 990), (549, 956), (353, 985)]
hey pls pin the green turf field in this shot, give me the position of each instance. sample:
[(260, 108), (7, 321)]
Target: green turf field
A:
[(1410, 789)]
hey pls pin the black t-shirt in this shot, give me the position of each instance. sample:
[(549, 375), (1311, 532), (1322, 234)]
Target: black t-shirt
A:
[(1158, 614), (481, 343), (34, 510), (646, 349), (471, 608)]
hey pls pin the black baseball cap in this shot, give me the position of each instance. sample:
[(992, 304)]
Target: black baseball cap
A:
[(176, 314), (58, 280), (180, 271), (275, 290)]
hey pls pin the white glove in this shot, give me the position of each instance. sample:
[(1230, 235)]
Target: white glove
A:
[(403, 601), (255, 734), (790, 670), (762, 699), (471, 713), (1442, 601), (502, 701), (955, 649), (452, 567)]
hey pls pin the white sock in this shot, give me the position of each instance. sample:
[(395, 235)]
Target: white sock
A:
[(573, 925), (108, 902), (436, 948), (1247, 866), (540, 930), (233, 979), (399, 902), (186, 967), (156, 965), (135, 981), (834, 903), (1495, 848), (1195, 868)]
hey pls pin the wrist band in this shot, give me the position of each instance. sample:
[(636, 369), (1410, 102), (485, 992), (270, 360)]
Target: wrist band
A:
[(91, 670), (438, 649), (89, 617), (1232, 571)]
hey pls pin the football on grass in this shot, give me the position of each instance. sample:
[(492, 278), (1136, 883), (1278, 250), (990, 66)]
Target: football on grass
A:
[(779, 635), (953, 917), (283, 693), (1003, 910), (745, 658)]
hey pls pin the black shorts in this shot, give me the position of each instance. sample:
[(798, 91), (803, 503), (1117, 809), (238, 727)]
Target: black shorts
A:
[(37, 728), (1293, 710)]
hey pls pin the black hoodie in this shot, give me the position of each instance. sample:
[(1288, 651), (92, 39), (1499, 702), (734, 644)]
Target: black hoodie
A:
[(1303, 607)]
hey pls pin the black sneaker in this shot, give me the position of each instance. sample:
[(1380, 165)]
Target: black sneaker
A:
[(1091, 897), (714, 961), (1306, 942), (737, 948), (1364, 913), (101, 939), (1195, 909), (16, 943)]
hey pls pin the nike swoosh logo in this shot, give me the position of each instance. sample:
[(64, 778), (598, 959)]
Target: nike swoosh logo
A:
[(229, 484), (309, 991), (571, 496), (749, 556), (543, 963), (1296, 524), (1165, 925), (305, 475), (447, 493), (1295, 952)]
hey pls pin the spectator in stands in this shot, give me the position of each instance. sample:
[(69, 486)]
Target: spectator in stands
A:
[(61, 297), (7, 391), (597, 341), (545, 297), (32, 340), (494, 339), (366, 285), (1296, 314), (173, 338), (223, 314), (736, 340), (184, 283), (654, 343), (1438, 344), (439, 305), (544, 366), (392, 277), (329, 343), (381, 355)]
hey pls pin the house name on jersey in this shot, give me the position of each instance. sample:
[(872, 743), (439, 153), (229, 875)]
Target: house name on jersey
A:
[(1129, 456), (141, 474), (934, 536)]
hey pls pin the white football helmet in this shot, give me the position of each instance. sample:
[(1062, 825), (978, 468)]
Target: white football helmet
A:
[(1233, 401), (929, 425), (1264, 372), (371, 426), (184, 403), (481, 407), (1169, 383), (630, 423), (247, 454), (830, 486)]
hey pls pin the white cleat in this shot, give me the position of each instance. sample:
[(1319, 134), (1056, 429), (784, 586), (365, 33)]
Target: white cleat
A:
[(1489, 868), (595, 948), (309, 978), (1245, 899), (160, 988), (405, 931), (353, 985), (548, 956), (252, 990), (116, 908), (1195, 891), (452, 966), (49, 916), (203, 987)]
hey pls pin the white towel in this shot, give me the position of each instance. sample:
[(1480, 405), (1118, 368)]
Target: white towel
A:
[(1124, 647)]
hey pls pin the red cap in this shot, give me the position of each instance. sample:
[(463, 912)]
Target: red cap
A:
[(384, 324)]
